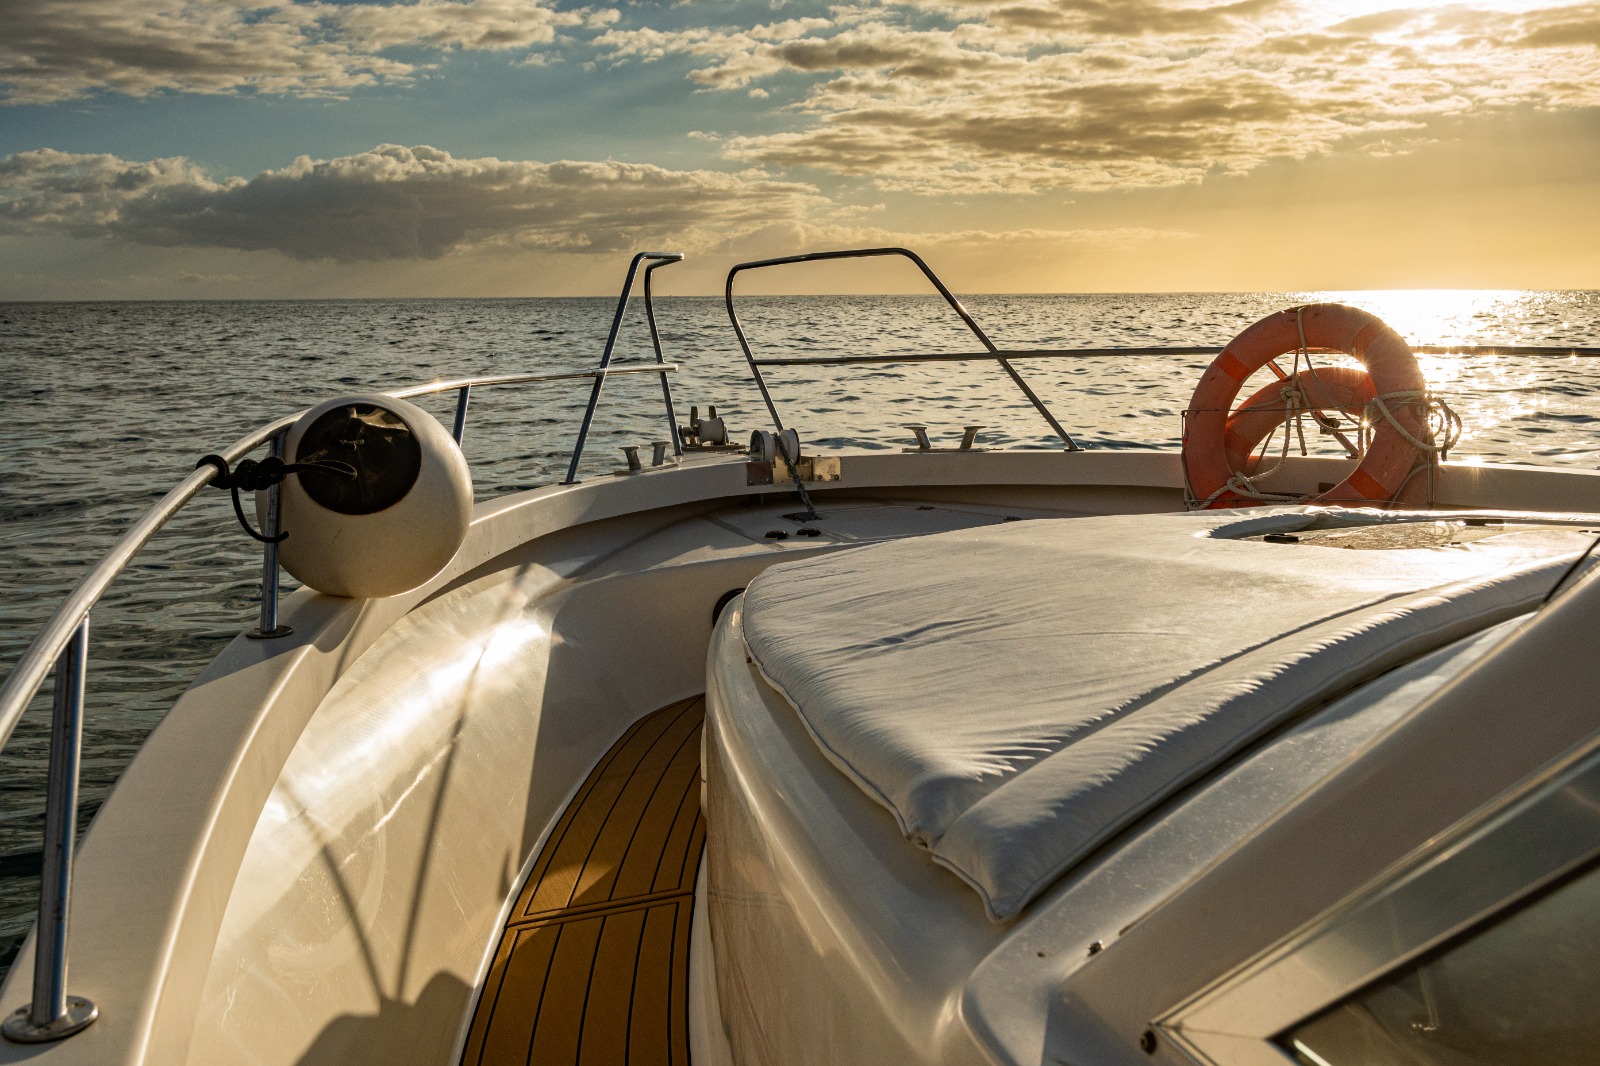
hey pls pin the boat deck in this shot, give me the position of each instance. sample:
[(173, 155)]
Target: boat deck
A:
[(593, 966)]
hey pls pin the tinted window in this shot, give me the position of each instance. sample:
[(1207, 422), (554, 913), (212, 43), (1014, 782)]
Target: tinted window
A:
[(1525, 991)]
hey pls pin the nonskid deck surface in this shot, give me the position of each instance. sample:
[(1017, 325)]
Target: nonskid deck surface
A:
[(593, 966)]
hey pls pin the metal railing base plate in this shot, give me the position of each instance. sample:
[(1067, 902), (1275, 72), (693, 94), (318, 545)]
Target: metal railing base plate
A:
[(20, 1029)]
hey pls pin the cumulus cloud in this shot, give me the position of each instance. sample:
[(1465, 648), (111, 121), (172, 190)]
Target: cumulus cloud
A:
[(409, 205), (816, 236), (1563, 27), (1103, 238), (53, 50), (391, 203), (1017, 95), (1125, 18), (483, 25)]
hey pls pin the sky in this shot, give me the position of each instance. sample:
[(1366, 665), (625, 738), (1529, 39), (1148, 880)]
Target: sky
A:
[(207, 149)]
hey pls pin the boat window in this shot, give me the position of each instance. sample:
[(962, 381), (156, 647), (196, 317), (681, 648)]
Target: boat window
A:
[(1520, 992)]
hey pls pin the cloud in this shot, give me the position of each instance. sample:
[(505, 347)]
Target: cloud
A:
[(942, 96), (816, 236), (368, 222), (1127, 18), (54, 50), (484, 25), (189, 277), (391, 203), (1109, 238), (1563, 27)]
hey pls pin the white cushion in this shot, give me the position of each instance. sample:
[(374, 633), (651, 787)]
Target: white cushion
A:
[(1017, 694)]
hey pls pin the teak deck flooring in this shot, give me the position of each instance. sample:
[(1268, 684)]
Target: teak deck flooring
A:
[(593, 966)]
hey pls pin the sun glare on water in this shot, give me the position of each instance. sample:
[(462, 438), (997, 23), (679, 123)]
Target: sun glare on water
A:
[(1498, 395), (1437, 316)]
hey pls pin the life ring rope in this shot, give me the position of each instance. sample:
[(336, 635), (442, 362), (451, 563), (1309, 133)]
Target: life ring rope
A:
[(1282, 405), (1404, 425), (1445, 437), (1243, 484)]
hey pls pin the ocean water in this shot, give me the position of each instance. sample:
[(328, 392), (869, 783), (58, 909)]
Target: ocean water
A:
[(108, 405)]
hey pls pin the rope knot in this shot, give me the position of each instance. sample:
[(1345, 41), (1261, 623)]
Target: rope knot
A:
[(254, 475)]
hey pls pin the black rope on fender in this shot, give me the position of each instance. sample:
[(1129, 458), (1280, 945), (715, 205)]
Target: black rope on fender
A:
[(256, 475)]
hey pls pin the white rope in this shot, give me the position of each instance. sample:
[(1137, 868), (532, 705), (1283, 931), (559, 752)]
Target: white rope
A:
[(1294, 406), (1297, 414), (1442, 422), (1240, 485), (1444, 425), (1444, 429)]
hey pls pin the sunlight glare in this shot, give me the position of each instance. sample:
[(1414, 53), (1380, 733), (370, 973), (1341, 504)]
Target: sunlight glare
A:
[(1340, 10), (1433, 316), (1497, 395)]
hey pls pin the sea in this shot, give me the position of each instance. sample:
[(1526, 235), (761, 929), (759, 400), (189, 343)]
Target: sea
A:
[(106, 406)]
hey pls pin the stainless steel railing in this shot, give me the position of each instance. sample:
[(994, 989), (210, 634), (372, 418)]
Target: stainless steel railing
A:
[(991, 352), (1004, 356), (1101, 353), (656, 260), (62, 648)]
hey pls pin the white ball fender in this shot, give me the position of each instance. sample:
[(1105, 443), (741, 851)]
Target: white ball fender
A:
[(392, 526)]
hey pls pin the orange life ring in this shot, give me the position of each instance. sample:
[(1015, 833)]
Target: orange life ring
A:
[(1326, 388), (1388, 361)]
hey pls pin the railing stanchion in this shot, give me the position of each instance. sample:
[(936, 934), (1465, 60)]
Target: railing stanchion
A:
[(53, 1014), (655, 342), (655, 259), (267, 627), (462, 399)]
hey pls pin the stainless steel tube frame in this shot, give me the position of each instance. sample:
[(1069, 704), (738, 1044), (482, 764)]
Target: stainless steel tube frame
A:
[(655, 342), (54, 1014), (463, 398), (656, 260), (991, 351), (268, 627)]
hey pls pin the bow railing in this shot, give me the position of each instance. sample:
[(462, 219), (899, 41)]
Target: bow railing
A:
[(61, 648)]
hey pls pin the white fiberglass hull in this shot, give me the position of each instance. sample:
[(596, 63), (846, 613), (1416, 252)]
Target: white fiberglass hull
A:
[(308, 861)]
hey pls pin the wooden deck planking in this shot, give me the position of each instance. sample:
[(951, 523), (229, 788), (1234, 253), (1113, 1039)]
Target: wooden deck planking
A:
[(592, 967)]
